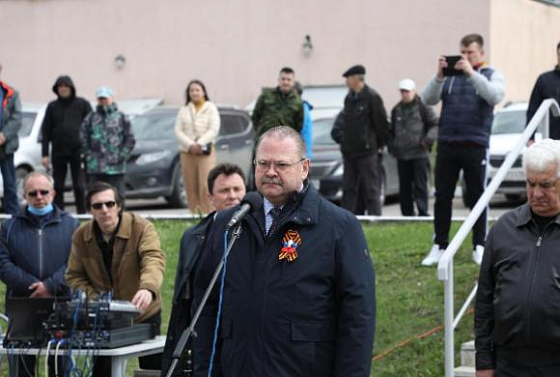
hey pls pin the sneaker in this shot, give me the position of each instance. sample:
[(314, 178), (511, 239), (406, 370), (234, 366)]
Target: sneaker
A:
[(433, 256), (477, 254)]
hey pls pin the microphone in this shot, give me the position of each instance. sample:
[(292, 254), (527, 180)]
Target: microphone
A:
[(251, 201)]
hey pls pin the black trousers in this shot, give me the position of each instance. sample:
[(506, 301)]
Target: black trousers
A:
[(361, 185), (508, 368), (450, 160), (102, 364), (116, 180), (60, 168), (413, 185)]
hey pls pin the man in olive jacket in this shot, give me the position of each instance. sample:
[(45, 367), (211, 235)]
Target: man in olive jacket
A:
[(299, 297), (118, 252), (280, 105)]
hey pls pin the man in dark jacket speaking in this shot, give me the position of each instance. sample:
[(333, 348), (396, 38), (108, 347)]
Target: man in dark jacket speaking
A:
[(361, 131), (61, 128), (299, 296), (516, 313), (35, 245)]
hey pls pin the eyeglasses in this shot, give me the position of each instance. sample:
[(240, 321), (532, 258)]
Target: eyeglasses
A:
[(36, 193), (109, 205), (281, 166)]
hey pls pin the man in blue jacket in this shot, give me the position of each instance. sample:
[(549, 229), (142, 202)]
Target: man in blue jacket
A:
[(35, 245), (299, 297), (469, 92), (226, 184)]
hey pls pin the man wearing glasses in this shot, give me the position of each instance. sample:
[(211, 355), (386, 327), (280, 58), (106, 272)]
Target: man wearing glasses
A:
[(119, 253), (34, 247), (299, 296)]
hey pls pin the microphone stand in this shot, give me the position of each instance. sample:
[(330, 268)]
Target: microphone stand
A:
[(190, 331)]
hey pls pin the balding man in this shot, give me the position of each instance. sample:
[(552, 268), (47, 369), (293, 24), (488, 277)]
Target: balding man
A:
[(35, 245), (299, 293), (517, 308)]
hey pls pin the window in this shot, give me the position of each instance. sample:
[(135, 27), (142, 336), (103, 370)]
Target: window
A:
[(27, 121), (232, 124), (153, 126)]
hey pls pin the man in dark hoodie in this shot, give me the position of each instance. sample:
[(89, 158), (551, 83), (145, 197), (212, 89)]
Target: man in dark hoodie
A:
[(61, 128), (547, 86)]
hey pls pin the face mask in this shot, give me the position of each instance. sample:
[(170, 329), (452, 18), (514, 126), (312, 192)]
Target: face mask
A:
[(40, 211)]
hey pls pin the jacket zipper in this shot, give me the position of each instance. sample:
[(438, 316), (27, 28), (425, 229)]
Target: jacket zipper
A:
[(40, 248), (533, 272)]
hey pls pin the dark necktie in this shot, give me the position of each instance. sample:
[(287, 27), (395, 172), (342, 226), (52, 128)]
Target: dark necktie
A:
[(275, 214)]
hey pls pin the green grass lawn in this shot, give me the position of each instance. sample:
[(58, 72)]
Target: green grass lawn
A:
[(409, 297)]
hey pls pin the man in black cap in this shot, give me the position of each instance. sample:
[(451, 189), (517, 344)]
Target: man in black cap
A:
[(361, 131)]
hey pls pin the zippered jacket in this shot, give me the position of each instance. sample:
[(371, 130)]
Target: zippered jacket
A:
[(31, 251), (11, 110), (518, 300)]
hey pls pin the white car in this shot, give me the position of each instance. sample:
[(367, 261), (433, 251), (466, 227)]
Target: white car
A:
[(28, 156), (508, 125)]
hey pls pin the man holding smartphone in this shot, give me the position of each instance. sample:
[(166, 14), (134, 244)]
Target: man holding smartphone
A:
[(468, 93)]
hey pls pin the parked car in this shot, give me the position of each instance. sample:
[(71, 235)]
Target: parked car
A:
[(507, 127), (28, 156), (154, 168), (327, 169)]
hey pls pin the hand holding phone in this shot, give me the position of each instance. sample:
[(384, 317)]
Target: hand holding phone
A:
[(450, 69)]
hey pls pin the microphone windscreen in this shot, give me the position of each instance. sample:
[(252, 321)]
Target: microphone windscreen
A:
[(254, 199)]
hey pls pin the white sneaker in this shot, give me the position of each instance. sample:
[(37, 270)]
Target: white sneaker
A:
[(477, 254), (433, 256)]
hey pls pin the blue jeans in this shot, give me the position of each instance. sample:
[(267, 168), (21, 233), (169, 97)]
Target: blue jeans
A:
[(9, 177)]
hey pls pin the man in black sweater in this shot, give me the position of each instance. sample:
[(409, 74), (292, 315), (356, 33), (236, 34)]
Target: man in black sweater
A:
[(547, 86), (61, 128)]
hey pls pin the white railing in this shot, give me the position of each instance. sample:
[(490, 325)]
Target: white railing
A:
[(445, 265)]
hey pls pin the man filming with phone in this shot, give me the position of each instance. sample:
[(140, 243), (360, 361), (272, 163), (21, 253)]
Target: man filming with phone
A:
[(469, 89)]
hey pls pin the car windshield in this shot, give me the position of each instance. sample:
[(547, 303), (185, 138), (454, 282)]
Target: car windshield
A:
[(322, 131), (155, 125), (508, 122), (27, 120)]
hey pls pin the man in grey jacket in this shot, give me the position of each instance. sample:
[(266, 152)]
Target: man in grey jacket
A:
[(469, 90), (412, 132), (516, 313), (10, 123)]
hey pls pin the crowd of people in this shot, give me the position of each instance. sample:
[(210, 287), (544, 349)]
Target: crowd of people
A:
[(299, 295)]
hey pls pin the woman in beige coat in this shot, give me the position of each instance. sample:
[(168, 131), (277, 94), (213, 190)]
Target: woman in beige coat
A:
[(197, 127)]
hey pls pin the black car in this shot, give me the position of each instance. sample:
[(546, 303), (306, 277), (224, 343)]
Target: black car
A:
[(326, 168), (154, 168)]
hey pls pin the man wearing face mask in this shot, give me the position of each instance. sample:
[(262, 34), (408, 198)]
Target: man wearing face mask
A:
[(35, 244), (107, 141)]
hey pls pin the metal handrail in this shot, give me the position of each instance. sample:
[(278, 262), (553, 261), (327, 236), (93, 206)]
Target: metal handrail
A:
[(445, 265)]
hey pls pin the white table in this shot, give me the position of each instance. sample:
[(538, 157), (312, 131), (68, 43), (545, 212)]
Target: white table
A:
[(119, 356)]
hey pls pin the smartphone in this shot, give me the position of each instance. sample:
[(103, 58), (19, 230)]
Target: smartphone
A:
[(451, 61)]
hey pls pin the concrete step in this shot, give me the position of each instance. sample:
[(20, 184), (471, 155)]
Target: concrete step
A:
[(468, 354), (465, 372)]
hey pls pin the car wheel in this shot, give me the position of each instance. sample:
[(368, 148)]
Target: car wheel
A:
[(178, 197), (21, 172)]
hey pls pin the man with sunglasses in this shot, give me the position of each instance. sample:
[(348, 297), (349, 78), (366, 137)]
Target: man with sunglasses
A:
[(34, 246), (118, 252), (299, 297)]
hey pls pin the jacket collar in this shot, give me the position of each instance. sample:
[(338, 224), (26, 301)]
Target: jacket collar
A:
[(9, 92), (303, 207), (124, 231), (525, 216)]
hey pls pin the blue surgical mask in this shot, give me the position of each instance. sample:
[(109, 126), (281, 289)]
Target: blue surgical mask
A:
[(40, 211)]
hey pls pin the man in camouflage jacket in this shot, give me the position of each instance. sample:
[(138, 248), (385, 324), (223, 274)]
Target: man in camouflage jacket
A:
[(280, 106), (107, 141)]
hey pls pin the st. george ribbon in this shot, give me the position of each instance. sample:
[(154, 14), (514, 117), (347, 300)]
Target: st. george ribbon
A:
[(251, 201)]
